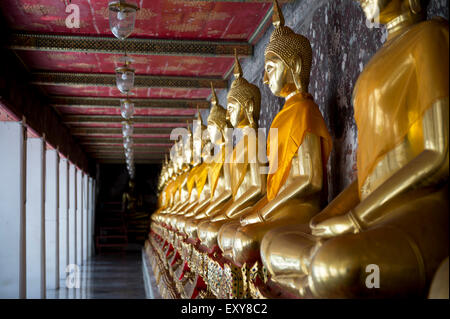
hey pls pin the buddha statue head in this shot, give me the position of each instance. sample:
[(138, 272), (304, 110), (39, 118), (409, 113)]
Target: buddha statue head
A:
[(385, 11), (187, 148), (217, 122), (131, 184), (197, 140), (288, 59), (243, 100), (179, 155)]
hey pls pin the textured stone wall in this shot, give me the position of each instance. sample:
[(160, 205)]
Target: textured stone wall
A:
[(342, 44)]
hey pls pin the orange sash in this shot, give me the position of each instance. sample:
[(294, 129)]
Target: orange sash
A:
[(299, 115)]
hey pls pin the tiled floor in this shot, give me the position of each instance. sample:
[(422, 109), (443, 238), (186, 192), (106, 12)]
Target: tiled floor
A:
[(106, 277)]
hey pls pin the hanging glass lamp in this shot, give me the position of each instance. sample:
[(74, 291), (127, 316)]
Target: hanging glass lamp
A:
[(125, 78), (127, 128), (122, 17), (126, 108)]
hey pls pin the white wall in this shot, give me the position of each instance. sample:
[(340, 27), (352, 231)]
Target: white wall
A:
[(12, 210)]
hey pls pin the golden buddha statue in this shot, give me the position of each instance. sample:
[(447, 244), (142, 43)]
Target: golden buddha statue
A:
[(392, 221), (185, 224), (296, 179), (185, 187), (248, 185), (218, 174)]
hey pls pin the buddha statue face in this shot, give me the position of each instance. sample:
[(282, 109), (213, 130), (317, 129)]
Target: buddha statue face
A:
[(235, 112), (385, 10), (278, 76), (131, 184)]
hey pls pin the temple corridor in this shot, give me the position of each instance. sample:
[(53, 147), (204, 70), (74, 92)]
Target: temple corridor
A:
[(224, 150)]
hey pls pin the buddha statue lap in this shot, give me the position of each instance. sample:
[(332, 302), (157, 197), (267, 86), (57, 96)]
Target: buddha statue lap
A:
[(394, 217), (247, 181), (295, 183)]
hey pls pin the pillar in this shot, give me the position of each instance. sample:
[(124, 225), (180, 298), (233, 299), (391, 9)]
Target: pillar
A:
[(79, 221), (72, 215), (85, 218), (12, 210), (52, 218), (35, 218), (64, 189)]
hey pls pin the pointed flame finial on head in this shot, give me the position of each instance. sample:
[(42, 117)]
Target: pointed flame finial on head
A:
[(199, 116), (214, 99), (277, 18), (188, 127), (237, 66)]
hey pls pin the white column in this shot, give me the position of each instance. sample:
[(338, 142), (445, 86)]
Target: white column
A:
[(88, 216), (63, 217), (52, 218), (79, 218), (35, 218), (93, 201), (72, 216), (12, 210), (85, 217)]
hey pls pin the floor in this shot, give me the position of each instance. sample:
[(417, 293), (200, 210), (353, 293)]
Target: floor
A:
[(112, 276)]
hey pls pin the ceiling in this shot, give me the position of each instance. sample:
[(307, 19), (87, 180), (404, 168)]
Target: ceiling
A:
[(178, 48)]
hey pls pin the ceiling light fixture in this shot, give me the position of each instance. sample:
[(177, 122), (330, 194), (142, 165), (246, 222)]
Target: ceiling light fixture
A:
[(122, 17)]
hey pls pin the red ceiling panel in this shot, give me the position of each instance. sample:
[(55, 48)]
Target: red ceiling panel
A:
[(155, 19), (106, 63)]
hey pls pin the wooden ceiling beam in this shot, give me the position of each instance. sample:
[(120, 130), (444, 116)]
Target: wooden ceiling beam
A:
[(140, 81), (79, 119), (109, 141), (88, 102), (18, 40), (108, 130)]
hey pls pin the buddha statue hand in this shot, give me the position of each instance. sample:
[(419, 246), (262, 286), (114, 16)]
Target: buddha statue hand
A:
[(338, 225)]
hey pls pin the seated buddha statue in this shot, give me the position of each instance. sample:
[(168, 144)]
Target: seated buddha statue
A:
[(162, 198), (392, 222), (297, 158), (218, 174), (185, 187), (248, 184), (202, 185)]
